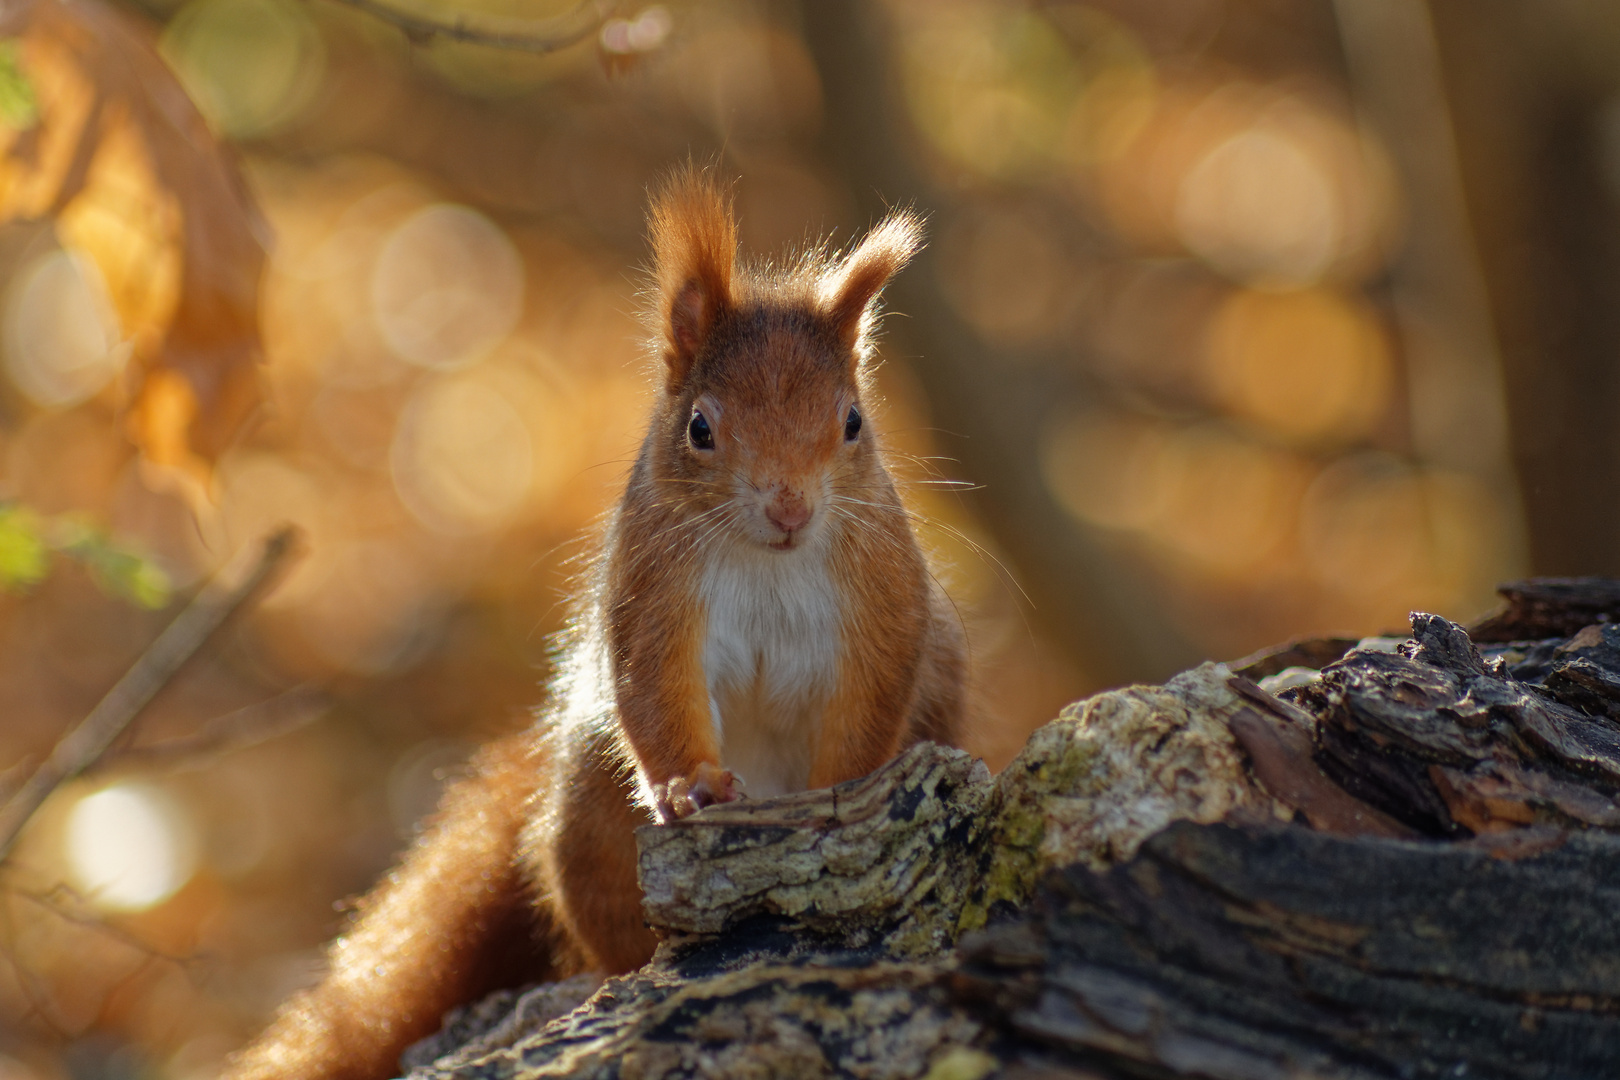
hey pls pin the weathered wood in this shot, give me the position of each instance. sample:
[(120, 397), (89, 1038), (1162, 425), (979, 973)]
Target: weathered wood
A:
[(1279, 751), (1448, 743), (1301, 652), (1549, 607), (1399, 866), (853, 864), (1241, 954), (846, 903), (766, 1019)]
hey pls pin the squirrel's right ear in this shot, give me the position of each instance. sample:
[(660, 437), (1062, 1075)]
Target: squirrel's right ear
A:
[(850, 289), (694, 239)]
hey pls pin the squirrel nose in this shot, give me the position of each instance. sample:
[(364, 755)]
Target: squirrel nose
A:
[(788, 512)]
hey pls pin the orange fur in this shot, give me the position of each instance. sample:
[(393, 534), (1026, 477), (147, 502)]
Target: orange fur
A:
[(694, 239), (760, 609)]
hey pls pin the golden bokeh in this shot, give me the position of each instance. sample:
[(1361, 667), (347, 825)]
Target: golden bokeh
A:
[(462, 457), (749, 81), (1267, 186), (61, 336), (1311, 366), (446, 288), (991, 86), (1203, 496), (1006, 271), (250, 65), (1109, 469), (1387, 537), (1172, 250)]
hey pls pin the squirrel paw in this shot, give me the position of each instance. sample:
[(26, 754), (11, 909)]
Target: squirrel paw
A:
[(684, 796)]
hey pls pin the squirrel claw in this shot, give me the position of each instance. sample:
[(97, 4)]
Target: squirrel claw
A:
[(684, 796)]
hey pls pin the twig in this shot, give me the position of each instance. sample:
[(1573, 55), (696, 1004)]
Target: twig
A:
[(78, 915), (521, 35), (247, 726), (12, 776), (84, 745)]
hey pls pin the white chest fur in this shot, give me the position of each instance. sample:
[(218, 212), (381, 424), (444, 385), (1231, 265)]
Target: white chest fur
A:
[(770, 657)]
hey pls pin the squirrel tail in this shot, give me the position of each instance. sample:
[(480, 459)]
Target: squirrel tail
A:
[(454, 921)]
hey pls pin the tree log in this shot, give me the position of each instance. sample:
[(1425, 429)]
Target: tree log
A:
[(1398, 865)]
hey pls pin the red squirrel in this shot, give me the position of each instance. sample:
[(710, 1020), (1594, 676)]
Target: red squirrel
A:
[(760, 620)]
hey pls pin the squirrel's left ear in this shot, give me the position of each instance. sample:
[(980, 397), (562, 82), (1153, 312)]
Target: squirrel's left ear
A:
[(850, 288)]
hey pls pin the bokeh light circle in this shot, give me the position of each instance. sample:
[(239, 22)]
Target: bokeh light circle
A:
[(447, 287), (1260, 207), (1006, 271), (463, 459), (62, 338), (991, 89), (130, 847), (250, 65), (1307, 366)]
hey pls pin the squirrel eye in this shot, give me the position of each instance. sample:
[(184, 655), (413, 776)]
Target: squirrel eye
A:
[(852, 424), (698, 432)]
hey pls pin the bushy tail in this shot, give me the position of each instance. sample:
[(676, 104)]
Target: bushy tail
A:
[(452, 922)]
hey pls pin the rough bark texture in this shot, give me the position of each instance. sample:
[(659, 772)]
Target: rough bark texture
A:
[(1243, 953), (1397, 865)]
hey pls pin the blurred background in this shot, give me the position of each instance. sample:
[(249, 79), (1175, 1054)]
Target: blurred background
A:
[(1241, 320)]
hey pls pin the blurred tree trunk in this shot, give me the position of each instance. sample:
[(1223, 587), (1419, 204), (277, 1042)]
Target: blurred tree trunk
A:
[(995, 407), (1529, 116)]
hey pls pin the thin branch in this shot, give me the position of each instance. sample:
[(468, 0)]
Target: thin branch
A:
[(78, 915), (12, 777), (237, 730), (83, 746), (537, 36)]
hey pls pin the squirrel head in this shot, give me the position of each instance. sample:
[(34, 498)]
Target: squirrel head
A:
[(762, 418)]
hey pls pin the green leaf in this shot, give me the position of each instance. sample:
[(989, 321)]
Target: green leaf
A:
[(19, 106), (118, 571), (24, 556), (123, 573), (27, 540)]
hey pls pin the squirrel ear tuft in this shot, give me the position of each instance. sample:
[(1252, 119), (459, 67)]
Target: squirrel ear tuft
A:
[(694, 239), (851, 287)]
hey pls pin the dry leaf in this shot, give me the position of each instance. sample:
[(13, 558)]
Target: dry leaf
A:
[(122, 161)]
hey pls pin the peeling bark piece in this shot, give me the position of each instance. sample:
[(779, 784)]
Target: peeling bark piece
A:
[(1386, 720), (1575, 740), (1584, 671), (1383, 719), (1585, 685), (1400, 700), (1498, 796), (1550, 607), (1315, 653), (1282, 762), (1241, 954), (1444, 644), (1583, 744)]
